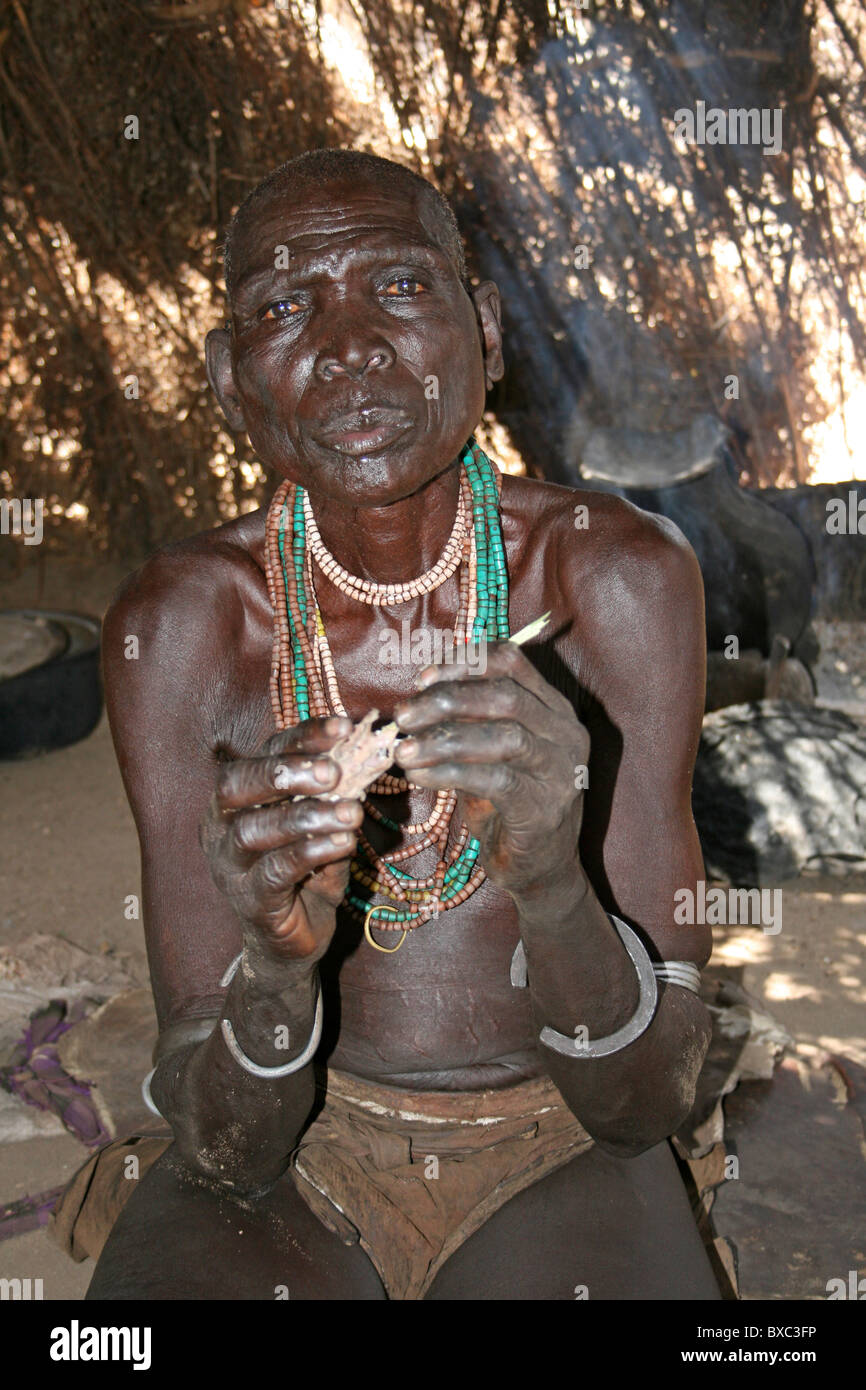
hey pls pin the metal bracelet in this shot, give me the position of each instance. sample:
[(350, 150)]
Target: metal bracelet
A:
[(235, 1049), (638, 1024), (147, 1097), (231, 971), (679, 972), (271, 1073), (672, 972)]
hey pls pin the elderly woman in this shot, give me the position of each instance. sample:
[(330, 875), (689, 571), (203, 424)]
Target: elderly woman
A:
[(426, 1017)]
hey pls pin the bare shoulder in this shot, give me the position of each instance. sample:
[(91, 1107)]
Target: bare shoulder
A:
[(192, 583), (624, 586), (186, 648), (602, 535), (605, 552)]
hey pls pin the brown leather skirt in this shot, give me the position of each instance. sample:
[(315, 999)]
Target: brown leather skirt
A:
[(409, 1175)]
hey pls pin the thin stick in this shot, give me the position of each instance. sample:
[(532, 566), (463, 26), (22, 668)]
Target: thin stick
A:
[(531, 630), (525, 634)]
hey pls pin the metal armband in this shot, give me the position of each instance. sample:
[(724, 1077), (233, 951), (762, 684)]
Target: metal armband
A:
[(675, 972)]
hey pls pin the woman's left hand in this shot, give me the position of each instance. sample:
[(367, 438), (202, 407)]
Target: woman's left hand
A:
[(511, 745)]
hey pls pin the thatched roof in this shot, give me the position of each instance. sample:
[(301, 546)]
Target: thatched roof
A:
[(551, 126)]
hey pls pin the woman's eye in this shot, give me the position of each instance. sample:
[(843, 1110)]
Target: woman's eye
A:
[(404, 285), (274, 311)]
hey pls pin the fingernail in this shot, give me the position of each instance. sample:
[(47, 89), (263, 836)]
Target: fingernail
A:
[(337, 725), (408, 747), (342, 837), (325, 772), (348, 813)]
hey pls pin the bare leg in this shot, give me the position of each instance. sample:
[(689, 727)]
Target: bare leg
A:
[(177, 1238), (615, 1228), (618, 1228)]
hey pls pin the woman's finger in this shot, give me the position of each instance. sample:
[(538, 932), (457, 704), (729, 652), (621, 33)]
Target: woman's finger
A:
[(251, 782)]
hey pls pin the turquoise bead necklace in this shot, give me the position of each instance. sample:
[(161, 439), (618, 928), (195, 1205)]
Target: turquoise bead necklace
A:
[(303, 686)]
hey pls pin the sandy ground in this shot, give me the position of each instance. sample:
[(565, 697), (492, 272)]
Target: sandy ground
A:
[(71, 858), (812, 975)]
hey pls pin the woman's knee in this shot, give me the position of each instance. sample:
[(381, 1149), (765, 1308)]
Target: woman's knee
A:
[(179, 1237)]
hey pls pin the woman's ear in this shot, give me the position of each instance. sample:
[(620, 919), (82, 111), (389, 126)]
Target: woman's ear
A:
[(218, 362), (488, 308)]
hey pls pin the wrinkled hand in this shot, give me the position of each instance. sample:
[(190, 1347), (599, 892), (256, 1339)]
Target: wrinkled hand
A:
[(279, 855), (509, 743)]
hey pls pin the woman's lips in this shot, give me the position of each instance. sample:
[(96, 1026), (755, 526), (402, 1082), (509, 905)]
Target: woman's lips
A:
[(365, 433)]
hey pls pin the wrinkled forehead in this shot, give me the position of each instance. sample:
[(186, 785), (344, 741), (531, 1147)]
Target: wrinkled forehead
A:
[(310, 219)]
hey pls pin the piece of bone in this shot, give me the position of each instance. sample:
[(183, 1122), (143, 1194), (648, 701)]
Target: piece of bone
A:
[(364, 754), (362, 757)]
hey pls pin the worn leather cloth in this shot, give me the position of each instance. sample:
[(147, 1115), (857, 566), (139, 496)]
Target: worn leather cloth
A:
[(409, 1175)]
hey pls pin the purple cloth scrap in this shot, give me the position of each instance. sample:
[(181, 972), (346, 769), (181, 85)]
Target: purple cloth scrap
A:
[(27, 1213), (35, 1075)]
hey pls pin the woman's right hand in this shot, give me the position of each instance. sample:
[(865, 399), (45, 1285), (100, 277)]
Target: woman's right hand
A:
[(279, 854)]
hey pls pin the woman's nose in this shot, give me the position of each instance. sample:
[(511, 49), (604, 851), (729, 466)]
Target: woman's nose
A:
[(352, 360), (351, 345)]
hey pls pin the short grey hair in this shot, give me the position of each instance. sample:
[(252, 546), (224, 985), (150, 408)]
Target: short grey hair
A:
[(321, 166)]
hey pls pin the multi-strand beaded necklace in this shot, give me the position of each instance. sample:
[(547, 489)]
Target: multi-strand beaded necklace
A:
[(304, 682)]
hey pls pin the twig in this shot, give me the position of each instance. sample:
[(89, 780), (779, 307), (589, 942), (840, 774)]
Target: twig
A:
[(525, 634), (531, 630)]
